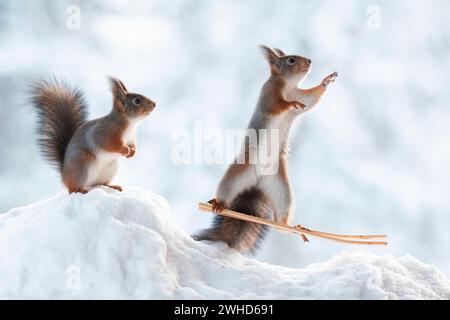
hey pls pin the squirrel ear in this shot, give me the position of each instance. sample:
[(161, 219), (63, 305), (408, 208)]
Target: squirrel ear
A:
[(118, 88), (279, 52), (122, 85), (271, 57)]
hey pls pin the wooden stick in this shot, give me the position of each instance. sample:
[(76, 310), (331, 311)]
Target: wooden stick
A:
[(298, 230)]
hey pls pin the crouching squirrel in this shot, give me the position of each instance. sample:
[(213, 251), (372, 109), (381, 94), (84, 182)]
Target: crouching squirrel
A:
[(243, 188), (86, 152)]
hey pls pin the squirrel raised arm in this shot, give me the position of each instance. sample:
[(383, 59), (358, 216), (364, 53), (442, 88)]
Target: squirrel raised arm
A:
[(310, 97), (86, 152)]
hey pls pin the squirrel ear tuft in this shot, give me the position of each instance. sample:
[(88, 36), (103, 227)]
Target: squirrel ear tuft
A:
[(279, 52), (271, 57), (118, 88)]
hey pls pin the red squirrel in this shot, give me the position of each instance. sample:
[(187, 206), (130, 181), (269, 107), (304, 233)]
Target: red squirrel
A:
[(86, 152), (243, 188)]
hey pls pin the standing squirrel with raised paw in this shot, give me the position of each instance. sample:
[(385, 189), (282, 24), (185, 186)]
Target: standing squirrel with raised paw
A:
[(87, 152), (243, 188)]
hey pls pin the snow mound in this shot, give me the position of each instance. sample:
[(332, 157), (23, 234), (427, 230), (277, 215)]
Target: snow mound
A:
[(108, 244)]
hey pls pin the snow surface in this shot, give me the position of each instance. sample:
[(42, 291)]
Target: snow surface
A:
[(125, 245)]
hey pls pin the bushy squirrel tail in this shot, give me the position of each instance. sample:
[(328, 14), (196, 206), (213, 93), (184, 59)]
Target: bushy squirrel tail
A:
[(241, 235), (61, 109)]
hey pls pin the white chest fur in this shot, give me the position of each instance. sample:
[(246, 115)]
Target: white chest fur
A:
[(129, 135), (282, 125), (290, 89), (290, 85), (272, 143), (103, 170)]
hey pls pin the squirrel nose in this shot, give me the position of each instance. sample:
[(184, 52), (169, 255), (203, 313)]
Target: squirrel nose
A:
[(308, 61)]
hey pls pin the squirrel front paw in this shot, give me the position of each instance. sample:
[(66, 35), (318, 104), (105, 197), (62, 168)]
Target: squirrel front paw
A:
[(132, 151), (297, 105), (217, 207), (329, 79), (125, 151)]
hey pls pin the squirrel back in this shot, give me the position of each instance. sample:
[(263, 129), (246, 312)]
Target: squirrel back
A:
[(61, 110)]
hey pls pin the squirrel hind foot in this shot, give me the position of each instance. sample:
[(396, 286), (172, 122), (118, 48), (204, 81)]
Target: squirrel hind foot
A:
[(115, 187), (78, 190)]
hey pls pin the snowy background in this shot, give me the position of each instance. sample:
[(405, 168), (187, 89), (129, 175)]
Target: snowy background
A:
[(373, 157)]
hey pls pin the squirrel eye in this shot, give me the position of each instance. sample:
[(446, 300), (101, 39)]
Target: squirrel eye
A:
[(290, 61), (136, 101)]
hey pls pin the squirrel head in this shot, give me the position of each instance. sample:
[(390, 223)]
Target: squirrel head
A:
[(132, 105), (286, 66)]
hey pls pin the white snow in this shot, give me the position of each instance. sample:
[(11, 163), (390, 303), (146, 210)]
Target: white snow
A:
[(125, 245)]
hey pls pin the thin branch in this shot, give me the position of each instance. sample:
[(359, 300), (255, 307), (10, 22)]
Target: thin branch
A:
[(302, 231)]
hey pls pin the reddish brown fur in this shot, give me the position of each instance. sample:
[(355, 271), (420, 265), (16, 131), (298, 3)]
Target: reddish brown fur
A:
[(114, 142)]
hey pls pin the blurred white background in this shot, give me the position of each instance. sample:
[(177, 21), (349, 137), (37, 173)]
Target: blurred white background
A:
[(373, 157)]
